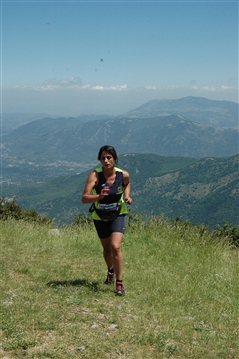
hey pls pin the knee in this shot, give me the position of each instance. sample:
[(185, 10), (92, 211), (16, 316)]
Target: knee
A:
[(116, 249)]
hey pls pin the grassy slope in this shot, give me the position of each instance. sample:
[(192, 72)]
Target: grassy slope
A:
[(181, 295)]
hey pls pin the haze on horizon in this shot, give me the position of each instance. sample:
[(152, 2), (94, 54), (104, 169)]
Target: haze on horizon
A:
[(68, 58)]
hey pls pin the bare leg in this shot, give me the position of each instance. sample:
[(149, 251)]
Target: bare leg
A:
[(106, 244), (112, 253), (116, 254)]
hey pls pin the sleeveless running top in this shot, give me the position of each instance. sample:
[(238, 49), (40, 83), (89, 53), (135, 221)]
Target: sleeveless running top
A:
[(116, 192)]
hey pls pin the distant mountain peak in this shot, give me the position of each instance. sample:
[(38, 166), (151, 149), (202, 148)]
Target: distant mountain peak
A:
[(197, 109)]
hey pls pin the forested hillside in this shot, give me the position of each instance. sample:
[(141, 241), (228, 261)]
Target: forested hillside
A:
[(202, 191)]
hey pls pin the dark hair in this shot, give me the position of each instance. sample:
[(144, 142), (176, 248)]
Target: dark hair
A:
[(109, 149)]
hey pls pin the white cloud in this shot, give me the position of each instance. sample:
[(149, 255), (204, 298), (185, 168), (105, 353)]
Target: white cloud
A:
[(86, 86), (75, 83), (173, 87), (212, 89), (208, 88), (110, 88), (54, 84), (223, 87), (71, 81), (47, 88), (150, 87), (194, 87)]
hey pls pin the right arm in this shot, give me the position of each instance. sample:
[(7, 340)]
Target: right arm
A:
[(87, 196)]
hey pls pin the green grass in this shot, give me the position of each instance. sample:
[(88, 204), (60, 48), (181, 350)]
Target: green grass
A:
[(181, 294)]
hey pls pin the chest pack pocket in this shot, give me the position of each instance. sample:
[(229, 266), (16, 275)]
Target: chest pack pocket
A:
[(106, 212)]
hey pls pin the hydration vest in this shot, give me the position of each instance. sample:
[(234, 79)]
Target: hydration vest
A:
[(113, 205)]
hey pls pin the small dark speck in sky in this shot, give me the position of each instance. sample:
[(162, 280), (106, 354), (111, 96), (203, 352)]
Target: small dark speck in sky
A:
[(101, 60)]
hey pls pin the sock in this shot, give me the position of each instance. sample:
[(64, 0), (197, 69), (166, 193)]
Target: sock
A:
[(111, 270)]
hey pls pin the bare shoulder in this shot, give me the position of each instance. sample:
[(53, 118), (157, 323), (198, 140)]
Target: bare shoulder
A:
[(125, 173), (93, 173), (93, 177)]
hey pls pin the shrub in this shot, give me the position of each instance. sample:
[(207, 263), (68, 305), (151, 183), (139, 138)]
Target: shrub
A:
[(231, 232), (9, 209), (81, 220)]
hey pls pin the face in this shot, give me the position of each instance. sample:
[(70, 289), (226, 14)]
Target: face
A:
[(107, 160)]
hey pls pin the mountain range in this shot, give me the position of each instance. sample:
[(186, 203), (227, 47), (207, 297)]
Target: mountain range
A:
[(52, 147), (53, 139)]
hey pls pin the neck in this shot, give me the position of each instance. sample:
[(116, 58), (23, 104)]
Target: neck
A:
[(108, 171)]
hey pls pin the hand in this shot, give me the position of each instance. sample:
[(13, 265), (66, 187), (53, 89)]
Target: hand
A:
[(128, 200), (104, 191)]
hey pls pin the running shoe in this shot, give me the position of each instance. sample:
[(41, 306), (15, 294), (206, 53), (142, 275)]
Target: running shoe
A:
[(109, 278), (119, 289)]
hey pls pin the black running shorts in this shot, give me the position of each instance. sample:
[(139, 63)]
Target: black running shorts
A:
[(104, 229)]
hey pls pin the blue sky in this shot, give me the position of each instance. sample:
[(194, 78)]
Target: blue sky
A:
[(108, 57)]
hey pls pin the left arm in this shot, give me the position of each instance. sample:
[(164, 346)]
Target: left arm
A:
[(127, 197)]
